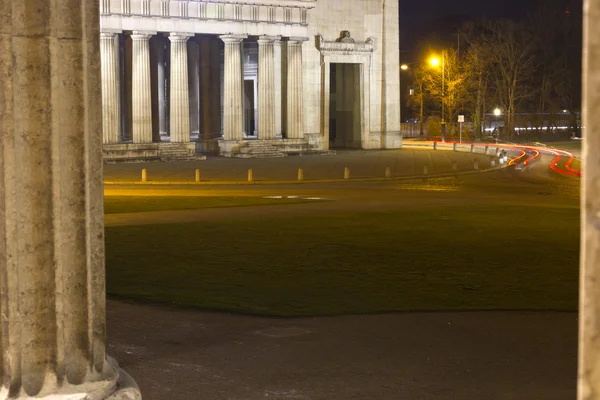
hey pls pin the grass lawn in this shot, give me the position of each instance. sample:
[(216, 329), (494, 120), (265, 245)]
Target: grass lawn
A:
[(129, 204), (450, 258)]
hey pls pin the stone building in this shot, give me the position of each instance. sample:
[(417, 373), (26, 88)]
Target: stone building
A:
[(248, 77)]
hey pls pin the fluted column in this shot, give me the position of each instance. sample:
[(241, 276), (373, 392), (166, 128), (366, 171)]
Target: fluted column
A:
[(278, 72), (141, 89), (589, 305), (295, 105), (180, 95), (266, 88), (233, 101), (111, 101), (52, 330)]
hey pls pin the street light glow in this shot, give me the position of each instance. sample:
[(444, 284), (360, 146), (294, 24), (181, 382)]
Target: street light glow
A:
[(497, 112), (404, 67), (434, 61)]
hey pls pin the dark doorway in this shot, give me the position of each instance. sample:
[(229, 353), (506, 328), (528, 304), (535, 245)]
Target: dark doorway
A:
[(345, 106), (249, 106)]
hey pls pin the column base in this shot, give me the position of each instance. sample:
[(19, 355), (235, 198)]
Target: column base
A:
[(126, 388), (112, 384)]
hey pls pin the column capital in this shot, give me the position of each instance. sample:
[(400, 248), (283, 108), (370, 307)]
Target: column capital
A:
[(299, 40), (266, 39), (142, 35), (179, 36), (230, 38), (110, 33)]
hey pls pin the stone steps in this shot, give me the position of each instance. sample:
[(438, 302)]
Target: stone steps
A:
[(260, 149)]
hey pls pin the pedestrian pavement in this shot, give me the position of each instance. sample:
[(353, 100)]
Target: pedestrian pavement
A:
[(361, 163), (177, 354)]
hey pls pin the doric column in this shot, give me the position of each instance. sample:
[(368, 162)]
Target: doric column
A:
[(266, 88), (589, 306), (180, 95), (52, 342), (111, 100), (141, 90), (295, 105), (233, 101)]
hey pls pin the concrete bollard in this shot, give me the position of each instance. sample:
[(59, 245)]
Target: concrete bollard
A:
[(486, 150), (300, 174), (144, 175), (435, 145), (346, 173), (197, 175), (425, 169), (454, 147), (492, 163), (250, 176), (472, 148), (454, 166), (388, 172), (476, 164)]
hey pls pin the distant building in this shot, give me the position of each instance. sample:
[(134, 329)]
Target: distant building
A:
[(188, 77)]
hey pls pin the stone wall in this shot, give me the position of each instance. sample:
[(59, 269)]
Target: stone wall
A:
[(377, 19)]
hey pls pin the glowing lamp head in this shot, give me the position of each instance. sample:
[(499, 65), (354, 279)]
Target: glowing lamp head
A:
[(434, 61), (497, 112), (404, 67)]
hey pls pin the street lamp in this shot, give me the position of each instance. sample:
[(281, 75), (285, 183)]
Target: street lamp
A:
[(406, 67), (435, 62), (497, 114)]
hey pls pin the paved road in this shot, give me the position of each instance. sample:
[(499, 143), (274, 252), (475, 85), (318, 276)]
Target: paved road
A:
[(177, 354)]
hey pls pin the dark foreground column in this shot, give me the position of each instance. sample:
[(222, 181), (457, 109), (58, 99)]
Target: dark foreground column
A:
[(589, 308), (52, 290)]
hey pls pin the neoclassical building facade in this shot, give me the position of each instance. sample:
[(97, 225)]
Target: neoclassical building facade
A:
[(244, 78)]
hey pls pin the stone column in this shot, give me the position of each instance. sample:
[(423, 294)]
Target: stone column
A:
[(52, 341), (233, 101), (278, 71), (194, 86), (111, 99), (589, 308), (295, 104), (180, 95), (266, 88), (141, 89)]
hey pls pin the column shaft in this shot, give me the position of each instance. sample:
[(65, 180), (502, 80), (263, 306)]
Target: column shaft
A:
[(589, 307), (233, 101), (141, 89), (266, 88), (180, 95), (52, 330), (278, 70), (295, 105), (111, 99)]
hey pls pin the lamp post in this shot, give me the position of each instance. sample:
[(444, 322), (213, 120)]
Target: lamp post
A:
[(497, 114), (406, 67), (435, 62)]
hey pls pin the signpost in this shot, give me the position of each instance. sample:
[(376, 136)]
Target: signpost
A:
[(461, 119)]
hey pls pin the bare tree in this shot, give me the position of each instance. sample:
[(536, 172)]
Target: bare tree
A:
[(512, 64)]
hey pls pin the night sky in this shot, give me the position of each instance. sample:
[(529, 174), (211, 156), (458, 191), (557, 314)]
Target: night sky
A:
[(420, 17)]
